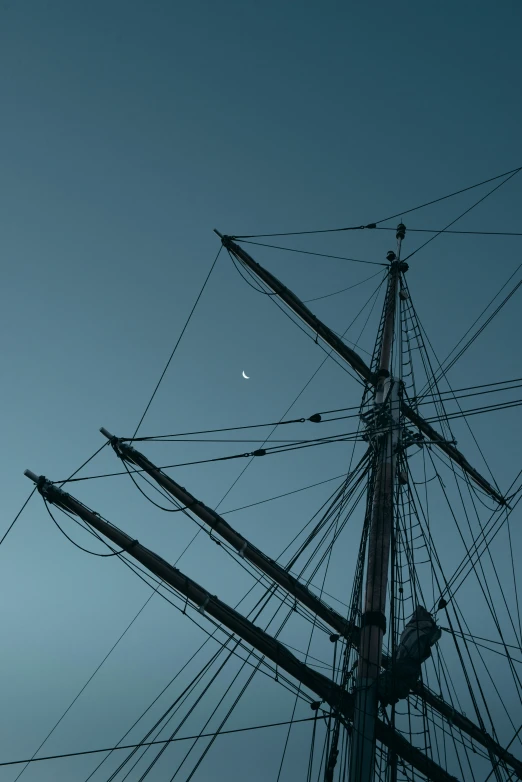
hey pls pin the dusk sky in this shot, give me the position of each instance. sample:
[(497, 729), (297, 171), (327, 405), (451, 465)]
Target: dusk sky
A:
[(129, 131)]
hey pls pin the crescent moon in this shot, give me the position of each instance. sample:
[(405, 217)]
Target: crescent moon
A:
[(247, 377)]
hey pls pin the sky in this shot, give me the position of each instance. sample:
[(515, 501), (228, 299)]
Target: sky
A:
[(130, 130)]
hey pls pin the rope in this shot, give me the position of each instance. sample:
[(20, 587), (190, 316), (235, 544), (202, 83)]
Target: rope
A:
[(385, 219), (178, 341)]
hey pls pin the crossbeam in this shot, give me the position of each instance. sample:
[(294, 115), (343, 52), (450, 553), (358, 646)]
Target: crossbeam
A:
[(467, 726), (339, 700), (354, 360)]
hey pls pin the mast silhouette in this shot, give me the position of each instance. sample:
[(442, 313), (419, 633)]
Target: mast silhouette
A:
[(358, 712), (387, 417)]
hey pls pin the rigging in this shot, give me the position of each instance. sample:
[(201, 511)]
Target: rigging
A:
[(410, 545)]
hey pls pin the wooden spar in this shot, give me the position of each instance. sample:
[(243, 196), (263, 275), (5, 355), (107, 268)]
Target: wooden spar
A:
[(244, 548), (467, 726), (354, 360), (450, 450), (330, 692), (335, 620), (362, 752), (301, 310)]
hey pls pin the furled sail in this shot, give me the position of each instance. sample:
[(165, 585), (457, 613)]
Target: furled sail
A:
[(417, 638)]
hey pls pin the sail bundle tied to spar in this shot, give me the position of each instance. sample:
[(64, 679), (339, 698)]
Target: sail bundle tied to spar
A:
[(417, 638)]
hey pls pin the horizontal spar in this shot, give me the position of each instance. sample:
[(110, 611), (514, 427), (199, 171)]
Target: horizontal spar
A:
[(467, 726)]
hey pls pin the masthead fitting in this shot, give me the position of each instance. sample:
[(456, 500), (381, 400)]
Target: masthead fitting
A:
[(390, 255), (401, 231)]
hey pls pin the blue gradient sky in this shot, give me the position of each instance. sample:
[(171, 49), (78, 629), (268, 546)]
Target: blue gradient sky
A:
[(129, 131)]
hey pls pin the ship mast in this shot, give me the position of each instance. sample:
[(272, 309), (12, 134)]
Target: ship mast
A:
[(358, 711), (385, 423), (373, 626)]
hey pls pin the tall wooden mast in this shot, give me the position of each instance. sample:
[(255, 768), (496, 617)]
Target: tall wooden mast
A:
[(358, 710), (386, 419)]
